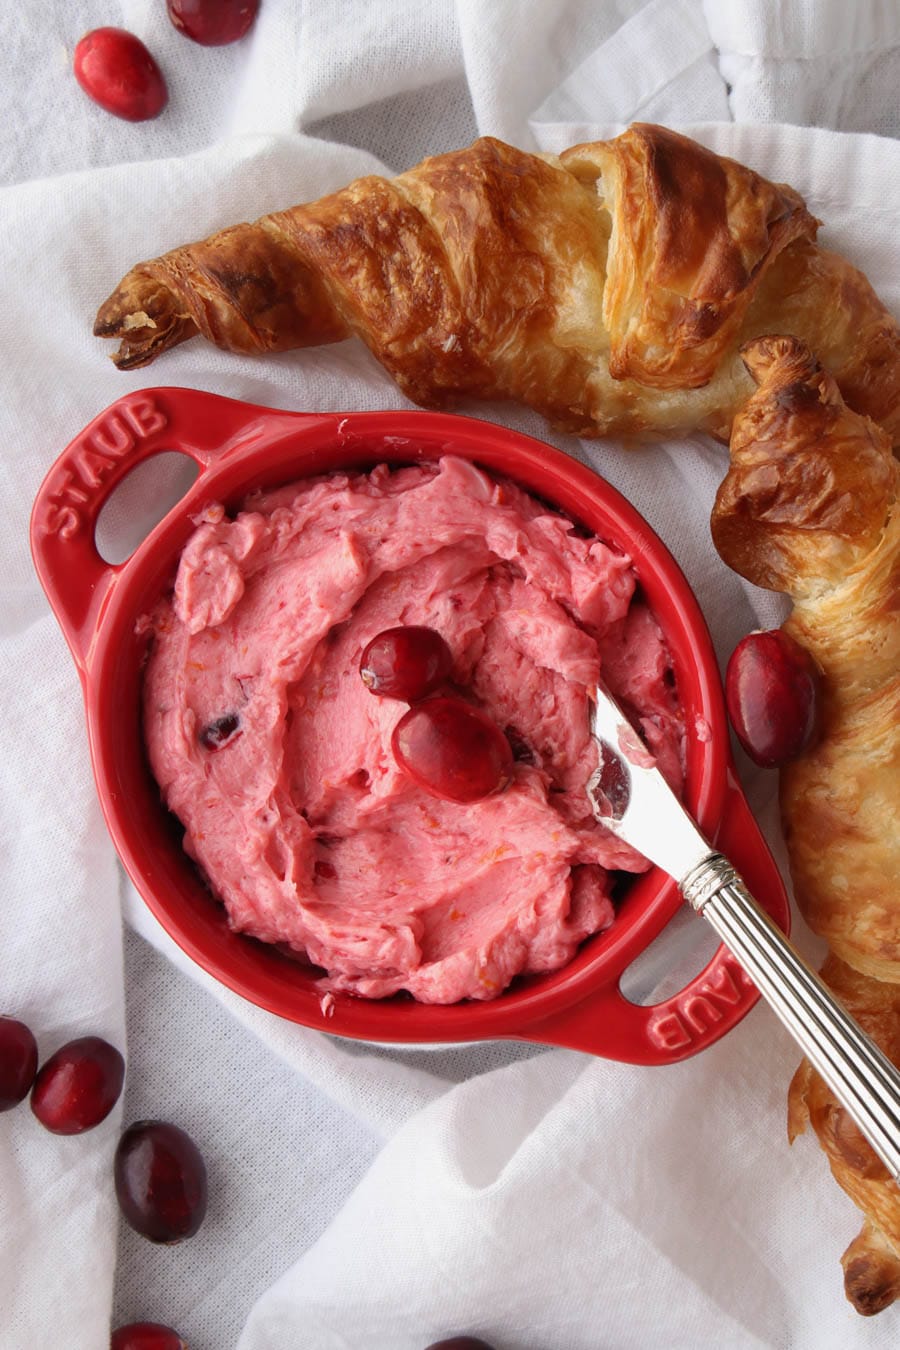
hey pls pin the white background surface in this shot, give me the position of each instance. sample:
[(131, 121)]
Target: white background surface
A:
[(361, 1199)]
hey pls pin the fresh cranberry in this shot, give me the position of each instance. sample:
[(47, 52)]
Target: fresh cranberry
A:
[(146, 1336), (406, 662), (212, 23), (18, 1062), (160, 1181), (773, 693), (453, 750), (460, 1343), (115, 69), (78, 1086)]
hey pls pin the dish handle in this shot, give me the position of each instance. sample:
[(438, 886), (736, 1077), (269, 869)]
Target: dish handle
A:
[(136, 427), (606, 1023)]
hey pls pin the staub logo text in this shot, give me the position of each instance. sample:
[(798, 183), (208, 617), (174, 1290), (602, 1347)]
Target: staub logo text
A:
[(94, 457)]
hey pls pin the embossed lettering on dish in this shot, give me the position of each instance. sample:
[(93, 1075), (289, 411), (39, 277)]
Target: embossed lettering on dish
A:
[(94, 457), (698, 1011)]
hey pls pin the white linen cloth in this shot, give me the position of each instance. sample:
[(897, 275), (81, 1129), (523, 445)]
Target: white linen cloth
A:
[(364, 1199)]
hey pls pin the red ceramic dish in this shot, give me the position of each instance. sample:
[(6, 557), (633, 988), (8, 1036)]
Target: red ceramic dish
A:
[(239, 447)]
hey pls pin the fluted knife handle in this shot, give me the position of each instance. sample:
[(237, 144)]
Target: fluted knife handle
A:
[(858, 1073)]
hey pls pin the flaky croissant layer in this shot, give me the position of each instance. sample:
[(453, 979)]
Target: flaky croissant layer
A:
[(610, 288), (811, 506)]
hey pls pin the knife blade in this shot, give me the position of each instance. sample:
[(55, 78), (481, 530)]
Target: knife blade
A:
[(630, 797), (627, 792)]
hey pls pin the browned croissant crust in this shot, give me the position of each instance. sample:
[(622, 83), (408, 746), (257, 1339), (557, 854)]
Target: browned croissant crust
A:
[(872, 1261), (609, 288), (810, 507)]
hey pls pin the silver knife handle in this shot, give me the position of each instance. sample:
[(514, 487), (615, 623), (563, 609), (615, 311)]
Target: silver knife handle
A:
[(861, 1077)]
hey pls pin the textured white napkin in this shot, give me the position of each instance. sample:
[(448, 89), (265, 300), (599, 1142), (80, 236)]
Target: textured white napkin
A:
[(550, 1201), (821, 64)]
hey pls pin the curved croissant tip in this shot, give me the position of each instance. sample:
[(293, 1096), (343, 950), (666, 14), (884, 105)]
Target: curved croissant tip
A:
[(870, 1291), (145, 346), (761, 355), (145, 318), (786, 371)]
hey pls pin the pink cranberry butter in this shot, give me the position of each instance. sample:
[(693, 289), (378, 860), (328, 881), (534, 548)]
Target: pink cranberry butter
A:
[(274, 755)]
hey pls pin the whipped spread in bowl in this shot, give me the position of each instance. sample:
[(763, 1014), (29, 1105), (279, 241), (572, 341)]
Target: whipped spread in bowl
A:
[(278, 761)]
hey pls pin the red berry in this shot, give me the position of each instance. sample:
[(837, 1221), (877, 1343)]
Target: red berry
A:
[(407, 663), (212, 23), (78, 1086), (460, 1343), (146, 1336), (453, 750), (773, 693), (160, 1180), (18, 1062), (115, 69)]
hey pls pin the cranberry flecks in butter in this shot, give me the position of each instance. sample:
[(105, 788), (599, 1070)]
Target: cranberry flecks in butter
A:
[(277, 760)]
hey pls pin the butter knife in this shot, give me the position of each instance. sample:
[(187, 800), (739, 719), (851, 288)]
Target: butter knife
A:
[(630, 798)]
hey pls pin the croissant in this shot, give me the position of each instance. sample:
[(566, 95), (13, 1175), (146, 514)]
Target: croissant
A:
[(872, 1261), (811, 506), (610, 288)]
